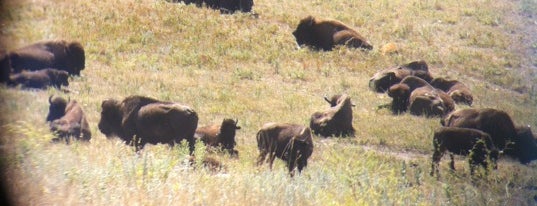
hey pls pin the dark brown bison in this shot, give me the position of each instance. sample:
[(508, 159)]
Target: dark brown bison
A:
[(225, 6), (40, 79), (524, 146), (463, 141), (5, 67), (149, 120), (67, 120), (459, 92), (220, 135), (418, 96), (62, 55), (326, 34), (496, 123), (383, 80), (337, 120), (290, 142)]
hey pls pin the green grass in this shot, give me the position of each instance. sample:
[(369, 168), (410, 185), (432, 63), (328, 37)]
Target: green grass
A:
[(246, 67)]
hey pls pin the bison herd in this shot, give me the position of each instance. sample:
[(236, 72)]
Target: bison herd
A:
[(482, 134)]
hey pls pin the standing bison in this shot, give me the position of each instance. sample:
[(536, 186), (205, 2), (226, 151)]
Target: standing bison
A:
[(326, 34), (220, 135), (463, 141), (67, 120), (40, 79), (290, 142), (384, 79), (337, 120), (62, 55), (140, 120)]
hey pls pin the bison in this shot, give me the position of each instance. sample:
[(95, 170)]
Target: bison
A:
[(459, 92), (383, 80), (418, 96), (67, 119), (62, 55), (225, 6), (326, 34), (524, 146), (290, 142), (337, 120), (149, 121), (40, 79), (220, 135), (463, 141)]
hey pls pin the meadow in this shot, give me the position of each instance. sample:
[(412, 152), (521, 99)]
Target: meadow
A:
[(248, 67)]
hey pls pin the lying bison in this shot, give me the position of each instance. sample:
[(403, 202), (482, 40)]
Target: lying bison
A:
[(326, 34), (463, 141), (40, 79), (384, 79), (149, 120), (459, 92), (289, 142), (337, 120), (225, 6), (220, 135), (62, 55), (67, 120)]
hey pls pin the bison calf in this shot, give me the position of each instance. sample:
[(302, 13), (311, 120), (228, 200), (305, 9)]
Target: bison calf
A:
[(290, 142), (67, 119), (40, 79), (326, 34), (384, 79), (463, 141), (220, 135)]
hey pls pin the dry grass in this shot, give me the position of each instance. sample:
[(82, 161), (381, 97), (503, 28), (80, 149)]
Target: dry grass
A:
[(244, 67)]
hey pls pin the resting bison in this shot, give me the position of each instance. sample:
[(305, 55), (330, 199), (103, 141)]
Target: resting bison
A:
[(150, 120), (326, 34), (220, 135), (225, 6), (62, 55), (525, 145), (383, 80), (463, 141), (67, 120), (40, 79), (459, 92), (289, 142), (337, 120), (418, 96), (5, 67), (496, 123)]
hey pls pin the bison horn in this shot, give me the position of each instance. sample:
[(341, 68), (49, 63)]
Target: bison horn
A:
[(50, 99), (326, 99)]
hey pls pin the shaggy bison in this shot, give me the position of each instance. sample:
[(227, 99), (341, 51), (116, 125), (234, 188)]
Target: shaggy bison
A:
[(149, 120), (326, 34), (337, 120), (525, 145), (225, 6), (40, 79), (463, 141), (67, 119), (220, 135), (459, 92), (383, 80), (289, 142), (62, 55)]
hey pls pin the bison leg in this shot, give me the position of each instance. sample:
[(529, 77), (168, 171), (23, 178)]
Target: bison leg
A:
[(437, 155), (261, 158), (452, 163), (271, 158), (191, 145)]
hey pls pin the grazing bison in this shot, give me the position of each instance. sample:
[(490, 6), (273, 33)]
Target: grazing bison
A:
[(326, 34), (337, 120), (67, 119), (289, 142), (62, 55), (220, 135), (40, 79), (459, 92), (525, 145), (496, 123), (463, 141), (150, 120), (225, 6), (383, 80), (418, 96), (5, 67)]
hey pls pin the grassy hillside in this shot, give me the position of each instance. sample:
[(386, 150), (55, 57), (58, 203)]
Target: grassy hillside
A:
[(248, 67)]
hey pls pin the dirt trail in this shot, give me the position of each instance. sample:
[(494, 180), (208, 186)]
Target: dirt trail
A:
[(403, 154)]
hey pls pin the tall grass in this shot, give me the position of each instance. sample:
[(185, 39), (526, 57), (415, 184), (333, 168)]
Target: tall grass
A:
[(248, 67)]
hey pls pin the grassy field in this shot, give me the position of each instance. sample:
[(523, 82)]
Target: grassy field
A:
[(248, 67)]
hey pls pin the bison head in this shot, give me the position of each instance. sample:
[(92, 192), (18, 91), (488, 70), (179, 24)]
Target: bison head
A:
[(56, 109), (427, 104), (304, 30), (227, 132), (58, 77), (110, 123), (525, 145), (400, 93), (246, 5), (77, 58)]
